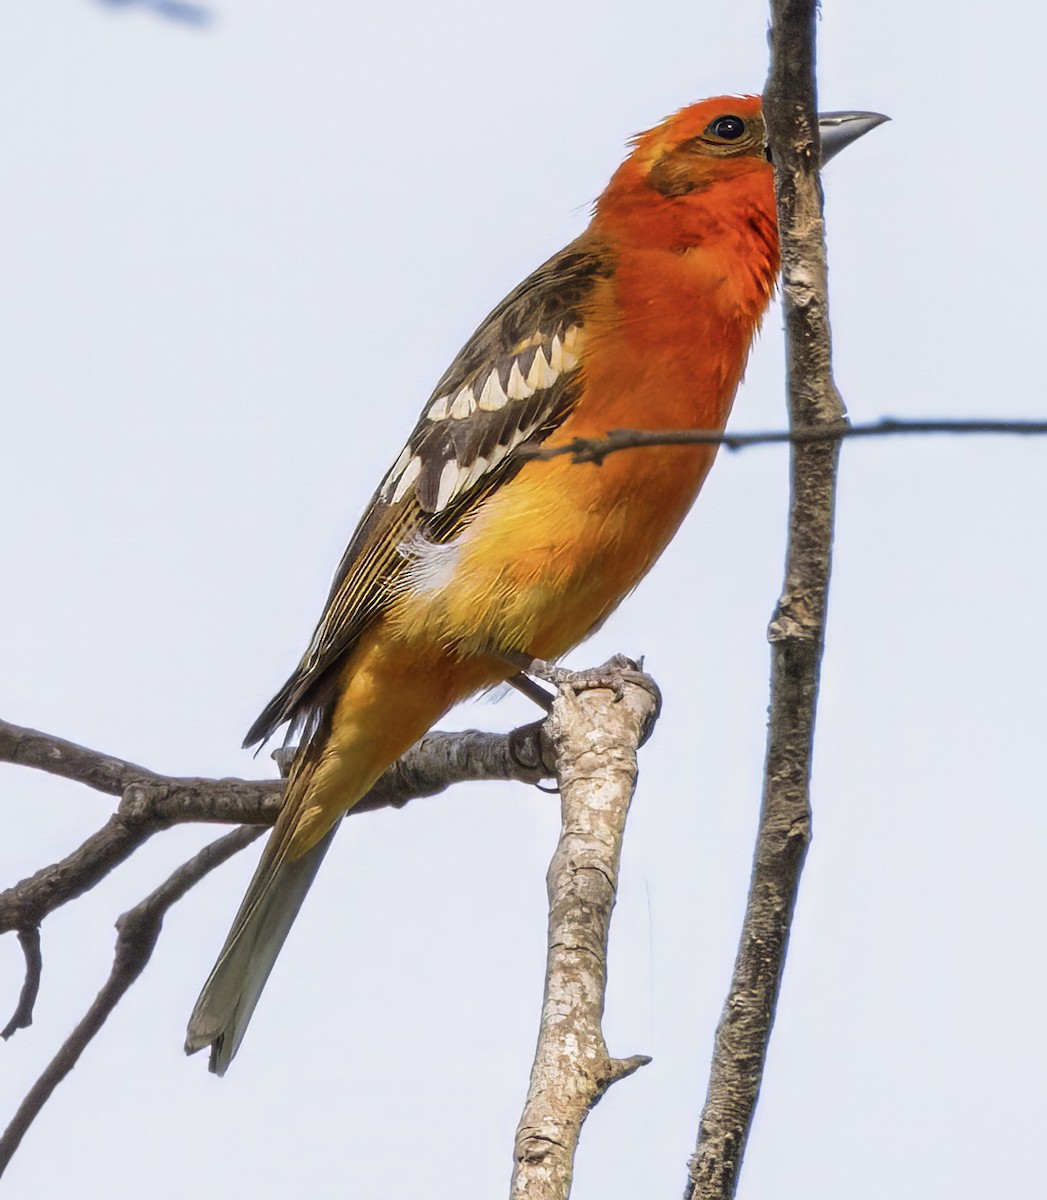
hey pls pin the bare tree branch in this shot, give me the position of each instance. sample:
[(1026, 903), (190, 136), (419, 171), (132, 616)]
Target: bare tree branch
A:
[(594, 738), (150, 802), (597, 449), (797, 628), (137, 933), (30, 748)]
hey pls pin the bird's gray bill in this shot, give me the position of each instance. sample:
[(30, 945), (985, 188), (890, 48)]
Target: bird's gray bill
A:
[(839, 129)]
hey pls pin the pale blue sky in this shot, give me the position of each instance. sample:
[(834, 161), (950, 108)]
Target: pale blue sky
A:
[(234, 259)]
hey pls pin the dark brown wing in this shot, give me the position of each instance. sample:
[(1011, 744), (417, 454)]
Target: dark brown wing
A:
[(515, 381)]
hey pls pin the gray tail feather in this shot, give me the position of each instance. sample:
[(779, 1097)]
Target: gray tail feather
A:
[(265, 917)]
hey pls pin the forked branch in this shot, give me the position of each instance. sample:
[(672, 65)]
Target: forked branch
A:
[(136, 935), (149, 803)]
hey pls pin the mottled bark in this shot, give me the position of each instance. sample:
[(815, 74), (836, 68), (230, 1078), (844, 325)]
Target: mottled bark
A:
[(150, 802), (593, 739), (796, 630)]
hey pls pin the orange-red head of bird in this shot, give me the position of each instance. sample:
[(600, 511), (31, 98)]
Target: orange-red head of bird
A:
[(703, 160)]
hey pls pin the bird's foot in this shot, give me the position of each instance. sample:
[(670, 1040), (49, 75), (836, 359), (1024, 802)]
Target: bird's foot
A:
[(612, 675)]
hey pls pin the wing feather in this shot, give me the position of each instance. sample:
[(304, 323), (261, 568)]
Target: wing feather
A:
[(513, 383)]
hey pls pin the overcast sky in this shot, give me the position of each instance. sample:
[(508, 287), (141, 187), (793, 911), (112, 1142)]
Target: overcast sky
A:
[(235, 256)]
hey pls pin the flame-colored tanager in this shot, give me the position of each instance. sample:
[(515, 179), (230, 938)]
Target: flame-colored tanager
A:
[(471, 557)]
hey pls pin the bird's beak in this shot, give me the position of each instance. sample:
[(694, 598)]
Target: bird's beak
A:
[(839, 129)]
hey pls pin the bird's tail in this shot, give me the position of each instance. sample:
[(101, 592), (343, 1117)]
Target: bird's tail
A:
[(261, 925), (392, 690)]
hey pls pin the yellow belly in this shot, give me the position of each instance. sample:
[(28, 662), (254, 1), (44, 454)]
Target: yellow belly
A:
[(551, 554)]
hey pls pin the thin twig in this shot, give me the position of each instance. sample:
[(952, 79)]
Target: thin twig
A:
[(594, 740), (596, 449), (797, 628), (22, 1017), (137, 933)]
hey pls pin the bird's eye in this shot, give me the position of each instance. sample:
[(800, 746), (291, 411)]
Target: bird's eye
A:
[(727, 129)]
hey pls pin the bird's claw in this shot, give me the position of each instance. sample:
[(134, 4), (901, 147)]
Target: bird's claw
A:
[(612, 675)]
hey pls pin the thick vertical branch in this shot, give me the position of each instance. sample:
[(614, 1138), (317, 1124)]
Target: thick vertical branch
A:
[(593, 739), (797, 629)]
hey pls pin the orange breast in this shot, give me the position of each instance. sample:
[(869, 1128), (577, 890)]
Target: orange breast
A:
[(552, 553)]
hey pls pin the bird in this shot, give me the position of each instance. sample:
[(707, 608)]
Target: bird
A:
[(473, 558)]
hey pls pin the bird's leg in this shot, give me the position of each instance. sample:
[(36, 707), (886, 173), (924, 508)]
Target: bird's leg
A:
[(527, 687)]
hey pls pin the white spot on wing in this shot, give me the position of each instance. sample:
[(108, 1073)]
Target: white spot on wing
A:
[(464, 404), (572, 347), (474, 472), (397, 467), (541, 375), (438, 411), (448, 484), (411, 473), (516, 388), (492, 398), (497, 454)]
